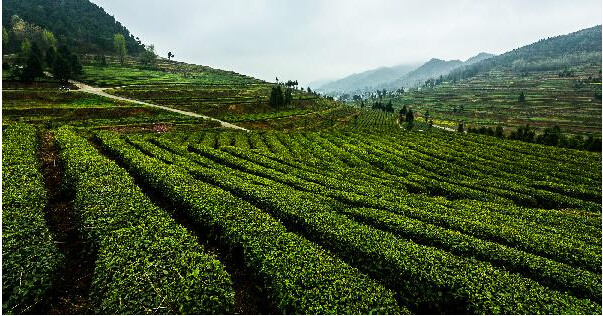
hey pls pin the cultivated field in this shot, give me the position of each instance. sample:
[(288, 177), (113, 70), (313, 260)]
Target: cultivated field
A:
[(491, 99), (117, 208)]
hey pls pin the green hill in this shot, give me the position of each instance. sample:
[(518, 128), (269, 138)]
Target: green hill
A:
[(80, 24), (553, 53)]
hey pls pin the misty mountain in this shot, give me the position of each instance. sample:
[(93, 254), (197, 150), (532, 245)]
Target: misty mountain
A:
[(367, 80), (392, 78), (431, 69), (477, 58)]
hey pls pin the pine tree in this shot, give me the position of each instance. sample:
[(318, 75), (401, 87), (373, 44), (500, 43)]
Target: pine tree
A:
[(33, 67), (522, 97), (410, 116)]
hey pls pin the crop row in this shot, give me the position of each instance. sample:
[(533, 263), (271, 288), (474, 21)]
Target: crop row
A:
[(300, 277), (146, 262), (547, 221), (558, 275), (30, 258), (469, 285)]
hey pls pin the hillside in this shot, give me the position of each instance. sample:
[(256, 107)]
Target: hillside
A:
[(560, 79), (554, 53), (122, 196), (80, 24), (367, 80)]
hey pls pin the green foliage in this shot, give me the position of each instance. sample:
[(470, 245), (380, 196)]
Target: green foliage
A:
[(276, 97), (80, 24), (30, 258), (5, 37), (554, 53), (147, 263), (300, 277), (148, 58), (119, 47), (33, 67), (521, 98), (286, 183), (66, 65)]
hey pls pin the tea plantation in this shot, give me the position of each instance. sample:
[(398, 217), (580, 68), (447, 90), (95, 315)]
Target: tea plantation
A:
[(320, 208)]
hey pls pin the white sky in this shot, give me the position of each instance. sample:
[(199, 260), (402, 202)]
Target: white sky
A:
[(312, 40)]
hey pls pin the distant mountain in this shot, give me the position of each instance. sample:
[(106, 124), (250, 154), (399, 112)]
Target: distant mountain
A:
[(80, 24), (553, 53), (392, 78), (431, 69), (367, 80), (477, 58)]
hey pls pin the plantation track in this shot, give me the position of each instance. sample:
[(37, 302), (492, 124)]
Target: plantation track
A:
[(70, 293), (100, 92), (249, 297)]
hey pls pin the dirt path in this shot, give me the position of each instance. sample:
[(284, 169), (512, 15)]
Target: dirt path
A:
[(101, 92), (70, 293)]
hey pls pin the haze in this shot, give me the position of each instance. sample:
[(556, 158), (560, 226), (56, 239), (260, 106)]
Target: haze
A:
[(316, 40)]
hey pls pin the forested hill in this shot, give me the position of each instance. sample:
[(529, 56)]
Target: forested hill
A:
[(553, 53), (80, 24)]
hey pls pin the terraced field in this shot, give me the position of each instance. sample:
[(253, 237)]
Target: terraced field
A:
[(220, 94), (572, 103), (363, 218)]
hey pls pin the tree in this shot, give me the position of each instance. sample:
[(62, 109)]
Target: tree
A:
[(389, 107), (5, 37), (551, 136), (461, 128), (410, 116), (403, 110), (522, 97), (170, 55), (51, 54), (33, 67), (61, 69), (25, 49), (49, 39), (499, 131), (66, 65), (288, 98), (75, 64), (427, 116), (148, 58), (276, 97), (119, 45)]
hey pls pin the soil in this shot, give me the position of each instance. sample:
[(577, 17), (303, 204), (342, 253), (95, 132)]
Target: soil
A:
[(69, 294), (250, 296)]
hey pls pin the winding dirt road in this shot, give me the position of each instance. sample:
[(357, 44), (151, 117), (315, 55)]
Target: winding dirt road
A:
[(101, 92)]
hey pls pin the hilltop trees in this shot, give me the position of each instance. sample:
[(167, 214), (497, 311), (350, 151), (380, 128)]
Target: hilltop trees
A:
[(148, 58), (80, 24), (170, 55), (276, 97), (119, 45)]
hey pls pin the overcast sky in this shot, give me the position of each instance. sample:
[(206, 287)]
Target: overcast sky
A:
[(312, 40)]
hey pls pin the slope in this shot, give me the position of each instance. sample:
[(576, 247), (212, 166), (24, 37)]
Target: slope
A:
[(80, 24)]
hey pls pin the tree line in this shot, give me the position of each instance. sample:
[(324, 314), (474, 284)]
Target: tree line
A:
[(550, 136)]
